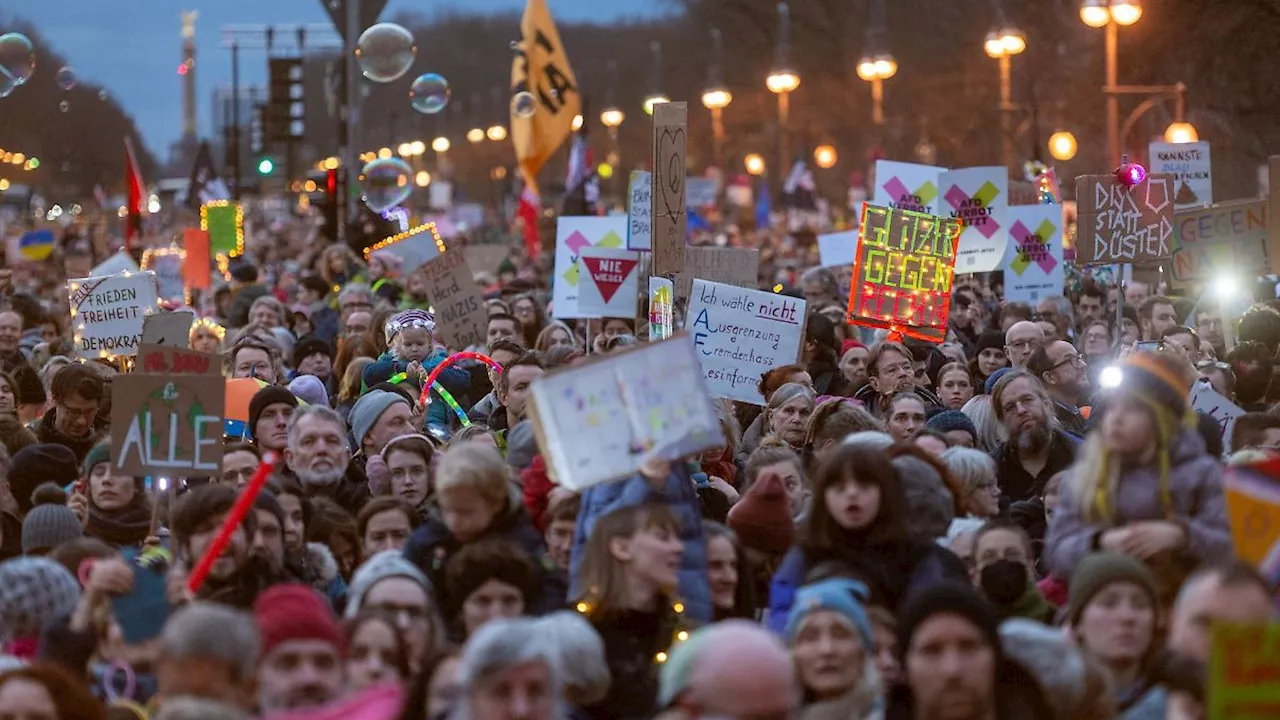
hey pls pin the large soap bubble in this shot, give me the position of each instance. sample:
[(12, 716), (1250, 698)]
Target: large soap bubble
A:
[(385, 183), (429, 93), (524, 104), (385, 52), (65, 78), (17, 61)]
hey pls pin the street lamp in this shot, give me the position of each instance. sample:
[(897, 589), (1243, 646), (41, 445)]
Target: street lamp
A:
[(1180, 132), (717, 96), (1002, 45), (576, 125), (1111, 14), (1063, 145), (612, 118), (875, 69), (825, 156), (782, 80), (655, 95), (496, 133), (475, 135), (754, 164), (440, 144)]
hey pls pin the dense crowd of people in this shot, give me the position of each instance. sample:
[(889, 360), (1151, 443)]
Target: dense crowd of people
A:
[(975, 530)]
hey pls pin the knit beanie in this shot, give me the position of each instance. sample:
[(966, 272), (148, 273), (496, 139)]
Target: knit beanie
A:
[(1098, 570), (948, 596), (386, 564), (35, 465), (295, 612), (1157, 379), (307, 346), (994, 378), (848, 345), (837, 594), (269, 395), (408, 319), (34, 591), (761, 518), (990, 339), (50, 522), (930, 505), (368, 409), (98, 454), (310, 390), (29, 390), (948, 420)]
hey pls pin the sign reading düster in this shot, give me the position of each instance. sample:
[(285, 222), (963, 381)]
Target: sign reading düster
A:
[(460, 312), (1121, 223), (107, 313)]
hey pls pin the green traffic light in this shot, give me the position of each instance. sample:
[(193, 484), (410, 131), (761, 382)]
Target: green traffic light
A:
[(265, 166)]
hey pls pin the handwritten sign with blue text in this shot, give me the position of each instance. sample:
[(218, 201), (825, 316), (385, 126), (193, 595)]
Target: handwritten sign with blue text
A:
[(740, 333)]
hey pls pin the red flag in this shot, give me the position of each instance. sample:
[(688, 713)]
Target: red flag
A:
[(133, 207), (528, 211)]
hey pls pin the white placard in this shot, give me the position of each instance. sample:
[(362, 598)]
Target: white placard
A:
[(837, 249), (639, 207), (907, 186), (168, 329), (114, 265), (412, 252), (573, 233), (107, 312), (700, 192), (609, 282), (978, 197), (1033, 267), (1192, 172), (596, 422), (740, 333), (1205, 399)]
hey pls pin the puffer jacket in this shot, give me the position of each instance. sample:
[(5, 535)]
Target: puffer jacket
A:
[(453, 378), (1195, 485)]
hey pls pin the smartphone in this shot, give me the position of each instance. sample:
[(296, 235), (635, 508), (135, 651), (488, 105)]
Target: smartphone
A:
[(1150, 346)]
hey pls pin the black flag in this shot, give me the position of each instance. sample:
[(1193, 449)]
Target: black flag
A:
[(205, 185)]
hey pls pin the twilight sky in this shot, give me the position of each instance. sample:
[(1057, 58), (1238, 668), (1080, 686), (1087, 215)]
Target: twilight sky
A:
[(133, 47)]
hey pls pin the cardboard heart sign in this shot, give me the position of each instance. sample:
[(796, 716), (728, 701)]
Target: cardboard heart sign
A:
[(610, 282)]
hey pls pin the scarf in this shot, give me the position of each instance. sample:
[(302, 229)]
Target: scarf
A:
[(1031, 605), (127, 527)]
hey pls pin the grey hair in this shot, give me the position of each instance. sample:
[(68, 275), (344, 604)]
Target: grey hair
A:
[(870, 439), (990, 431), (501, 645), (211, 630), (825, 277), (185, 707), (355, 289), (789, 392), (579, 652), (1063, 306), (1075, 686), (324, 412), (969, 466)]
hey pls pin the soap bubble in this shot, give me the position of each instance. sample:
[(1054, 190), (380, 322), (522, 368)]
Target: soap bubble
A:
[(385, 52), (65, 78), (7, 86), (385, 183), (103, 96), (429, 93), (524, 104), (64, 106), (17, 59)]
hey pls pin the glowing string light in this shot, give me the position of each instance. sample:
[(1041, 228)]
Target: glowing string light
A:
[(401, 237)]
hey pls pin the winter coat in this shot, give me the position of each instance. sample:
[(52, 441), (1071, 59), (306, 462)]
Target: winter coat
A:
[(47, 432), (243, 588), (537, 486), (751, 438), (454, 379), (484, 409), (351, 492), (632, 641), (1195, 486), (870, 399), (318, 568), (679, 495)]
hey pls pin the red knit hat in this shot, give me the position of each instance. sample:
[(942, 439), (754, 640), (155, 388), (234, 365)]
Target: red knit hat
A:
[(295, 612), (848, 345), (761, 518)]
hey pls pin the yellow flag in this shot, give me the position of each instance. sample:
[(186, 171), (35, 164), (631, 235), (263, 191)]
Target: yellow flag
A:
[(541, 68)]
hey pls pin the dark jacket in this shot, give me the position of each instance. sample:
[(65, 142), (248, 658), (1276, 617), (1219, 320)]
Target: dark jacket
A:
[(632, 641), (351, 492), (47, 432), (453, 378), (243, 588), (869, 397), (1016, 483), (1069, 418)]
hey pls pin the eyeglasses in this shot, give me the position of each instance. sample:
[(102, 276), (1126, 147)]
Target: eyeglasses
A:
[(84, 413), (1074, 359)]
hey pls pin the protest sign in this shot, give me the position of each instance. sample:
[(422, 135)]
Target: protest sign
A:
[(596, 422), (461, 315), (572, 234), (167, 264), (172, 329), (1226, 238), (1033, 267), (669, 216), (1120, 223), (107, 313), (837, 249), (902, 277), (731, 266), (1207, 401), (700, 192), (609, 282), (1189, 165), (412, 248), (639, 211), (224, 221), (661, 308), (1253, 510), (1244, 672), (114, 265), (167, 424), (907, 186), (740, 334), (195, 264), (978, 197), (176, 360)]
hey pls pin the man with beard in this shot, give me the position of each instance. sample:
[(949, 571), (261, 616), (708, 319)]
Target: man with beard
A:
[(890, 370), (238, 576), (302, 650), (1208, 323), (319, 457), (512, 389), (1065, 375), (1252, 363), (1036, 449), (1155, 315)]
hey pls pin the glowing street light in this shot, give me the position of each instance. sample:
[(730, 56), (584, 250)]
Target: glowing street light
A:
[(875, 69), (1002, 45), (577, 123), (655, 99), (422, 179), (1180, 132), (1063, 145), (496, 133), (440, 144), (825, 156), (754, 164), (612, 117), (475, 135)]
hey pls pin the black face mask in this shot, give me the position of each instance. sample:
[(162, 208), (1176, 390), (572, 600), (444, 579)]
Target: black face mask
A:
[(1004, 581)]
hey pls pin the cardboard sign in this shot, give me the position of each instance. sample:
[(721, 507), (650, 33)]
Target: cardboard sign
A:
[(195, 264), (838, 249), (1033, 267), (740, 334), (1206, 400), (596, 422), (461, 316), (172, 329), (167, 264), (107, 313), (1230, 237), (609, 282), (167, 424), (670, 217), (730, 266), (640, 211), (176, 361), (661, 308), (573, 233), (903, 274), (114, 265), (907, 186), (978, 197), (1124, 224), (224, 221), (412, 248), (1192, 173), (1244, 672)]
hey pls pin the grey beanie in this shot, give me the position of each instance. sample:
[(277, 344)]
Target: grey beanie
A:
[(49, 524), (368, 409), (386, 564), (34, 591), (930, 505)]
